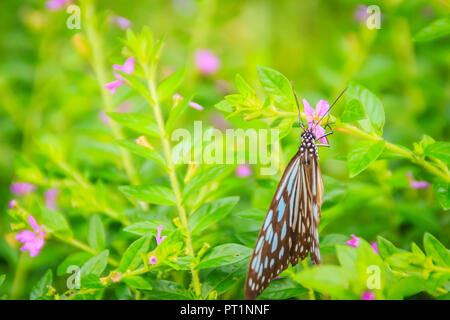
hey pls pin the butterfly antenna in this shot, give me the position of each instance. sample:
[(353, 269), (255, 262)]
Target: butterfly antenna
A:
[(328, 112), (298, 107)]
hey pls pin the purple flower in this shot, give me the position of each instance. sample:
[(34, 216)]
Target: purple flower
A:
[(128, 67), (121, 22), (375, 247), (53, 5), (313, 117), (368, 295), (113, 85), (153, 260), (360, 13), (195, 105), (12, 204), (353, 242), (159, 239), (33, 241), (206, 62), (243, 170), (51, 195), (21, 188), (414, 184)]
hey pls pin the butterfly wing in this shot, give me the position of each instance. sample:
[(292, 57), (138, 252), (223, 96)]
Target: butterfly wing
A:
[(271, 254), (290, 229)]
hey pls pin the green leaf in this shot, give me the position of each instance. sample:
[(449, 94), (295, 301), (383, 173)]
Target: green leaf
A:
[(328, 242), (281, 289), (346, 256), (372, 106), (131, 259), (386, 248), (223, 278), (440, 150), (137, 282), (436, 29), (96, 235), (137, 122), (55, 222), (137, 85), (276, 84), (353, 111), (141, 228), (95, 265), (75, 259), (223, 255), (91, 281), (211, 213), (203, 178), (41, 288), (369, 266), (175, 114), (224, 105), (405, 287), (438, 252), (168, 290), (441, 190), (144, 152), (243, 87), (362, 155), (170, 84), (328, 279), (150, 193)]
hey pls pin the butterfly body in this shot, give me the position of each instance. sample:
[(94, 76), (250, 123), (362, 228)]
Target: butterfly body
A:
[(290, 229)]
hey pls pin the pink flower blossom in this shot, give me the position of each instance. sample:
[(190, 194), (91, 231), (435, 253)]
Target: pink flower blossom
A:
[(368, 295), (195, 105), (375, 247), (177, 98), (33, 241), (53, 5), (206, 62), (51, 195), (128, 67), (121, 22), (159, 239), (113, 85), (314, 116), (353, 242), (414, 184), (243, 170), (360, 13), (21, 188), (12, 204), (152, 260)]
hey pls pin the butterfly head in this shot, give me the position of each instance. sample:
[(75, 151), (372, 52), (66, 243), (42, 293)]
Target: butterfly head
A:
[(308, 136)]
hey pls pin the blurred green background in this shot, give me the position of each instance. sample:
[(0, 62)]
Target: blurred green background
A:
[(50, 100)]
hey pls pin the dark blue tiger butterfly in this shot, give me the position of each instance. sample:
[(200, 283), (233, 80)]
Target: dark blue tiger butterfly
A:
[(290, 229)]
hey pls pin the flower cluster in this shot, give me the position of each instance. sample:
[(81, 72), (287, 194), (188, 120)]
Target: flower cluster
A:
[(128, 68), (314, 118)]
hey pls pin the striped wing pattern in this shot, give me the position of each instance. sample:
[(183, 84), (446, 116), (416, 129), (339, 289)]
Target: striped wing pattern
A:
[(290, 229)]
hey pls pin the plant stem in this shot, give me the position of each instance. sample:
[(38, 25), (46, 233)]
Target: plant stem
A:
[(150, 76), (400, 150), (19, 276), (98, 63)]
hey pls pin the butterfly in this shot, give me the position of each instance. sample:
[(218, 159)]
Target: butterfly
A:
[(290, 229)]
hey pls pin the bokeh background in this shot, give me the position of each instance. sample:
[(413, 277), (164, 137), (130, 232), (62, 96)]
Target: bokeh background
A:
[(52, 123)]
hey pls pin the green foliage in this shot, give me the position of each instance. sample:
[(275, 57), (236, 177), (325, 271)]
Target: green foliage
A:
[(132, 222)]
